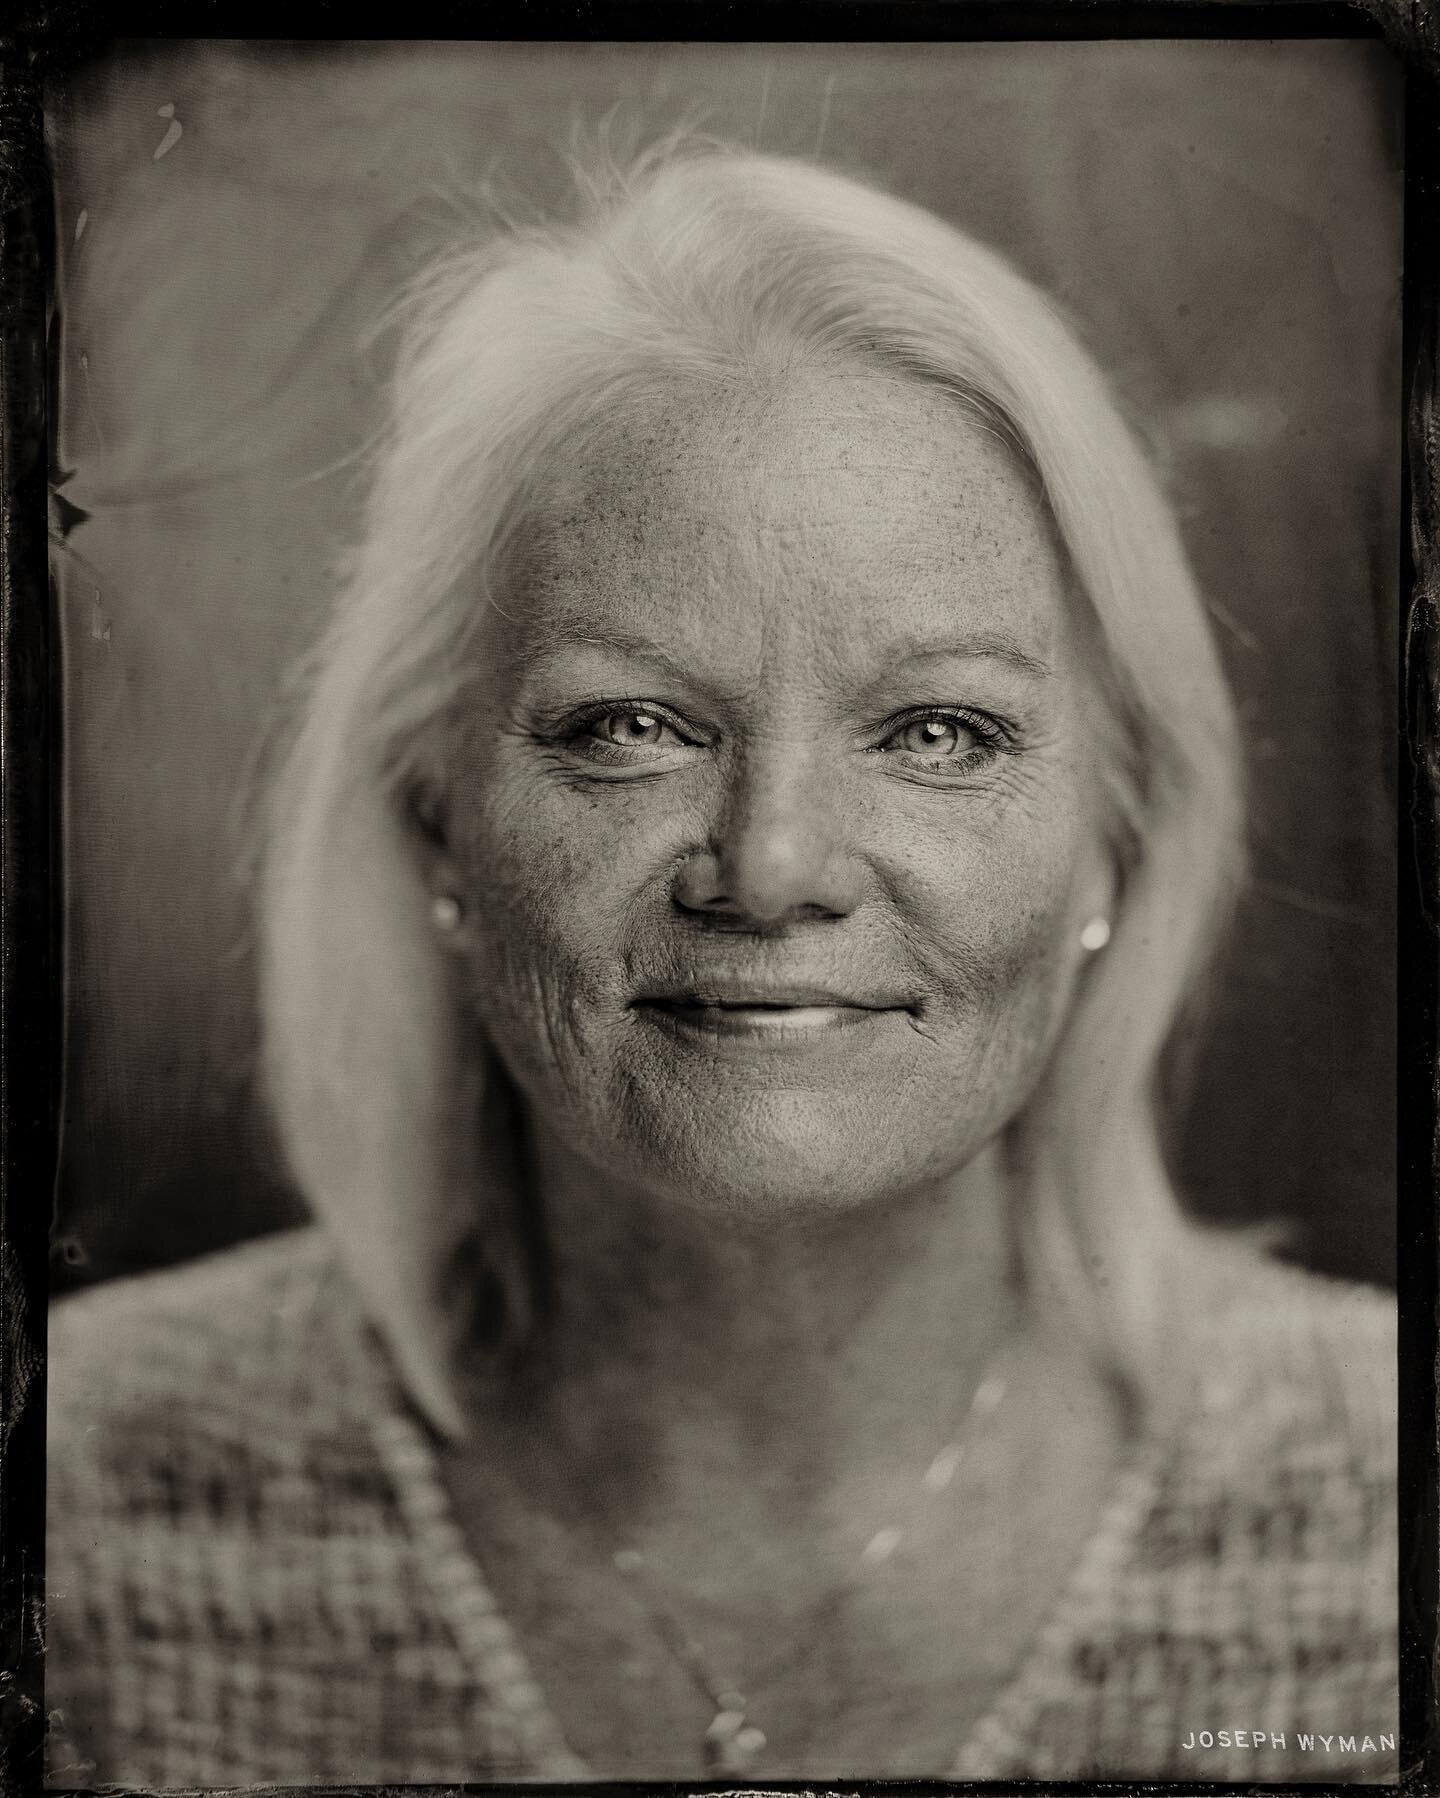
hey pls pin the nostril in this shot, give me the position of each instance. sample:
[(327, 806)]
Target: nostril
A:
[(766, 870), (698, 885)]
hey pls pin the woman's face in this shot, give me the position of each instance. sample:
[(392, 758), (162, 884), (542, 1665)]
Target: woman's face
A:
[(778, 823)]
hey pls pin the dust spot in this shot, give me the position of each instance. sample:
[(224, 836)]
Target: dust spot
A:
[(172, 131), (72, 1251)]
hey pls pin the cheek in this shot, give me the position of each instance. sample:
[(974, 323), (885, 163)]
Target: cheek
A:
[(991, 914), (551, 893)]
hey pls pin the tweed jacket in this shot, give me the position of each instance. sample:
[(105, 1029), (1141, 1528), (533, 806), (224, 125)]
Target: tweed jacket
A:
[(253, 1576)]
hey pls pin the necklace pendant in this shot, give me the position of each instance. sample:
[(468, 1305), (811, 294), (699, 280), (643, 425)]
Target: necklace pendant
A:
[(732, 1744)]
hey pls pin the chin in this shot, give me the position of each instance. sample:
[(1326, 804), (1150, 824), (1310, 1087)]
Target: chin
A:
[(795, 1157)]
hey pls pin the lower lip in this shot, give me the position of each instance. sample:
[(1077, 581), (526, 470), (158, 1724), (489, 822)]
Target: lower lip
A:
[(778, 1026)]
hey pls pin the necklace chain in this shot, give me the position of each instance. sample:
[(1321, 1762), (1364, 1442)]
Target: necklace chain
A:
[(732, 1743)]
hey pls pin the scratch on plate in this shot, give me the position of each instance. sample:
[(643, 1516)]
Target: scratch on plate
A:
[(824, 112), (173, 130), (99, 621), (1246, 639), (81, 223), (84, 360), (764, 104), (1315, 903)]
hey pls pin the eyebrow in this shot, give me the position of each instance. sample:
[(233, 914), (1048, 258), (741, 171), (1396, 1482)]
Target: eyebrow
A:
[(981, 646), (990, 645), (642, 649)]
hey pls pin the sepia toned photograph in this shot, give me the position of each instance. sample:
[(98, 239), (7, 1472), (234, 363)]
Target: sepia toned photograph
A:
[(729, 812)]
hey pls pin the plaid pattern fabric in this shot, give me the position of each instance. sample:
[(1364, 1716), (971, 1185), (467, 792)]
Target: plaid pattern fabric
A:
[(252, 1577), (1249, 1586)]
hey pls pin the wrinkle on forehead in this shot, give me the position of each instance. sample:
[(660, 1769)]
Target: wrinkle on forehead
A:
[(865, 416), (816, 488)]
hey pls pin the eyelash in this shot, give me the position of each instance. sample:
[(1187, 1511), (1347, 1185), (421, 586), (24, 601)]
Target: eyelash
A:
[(995, 738), (574, 728)]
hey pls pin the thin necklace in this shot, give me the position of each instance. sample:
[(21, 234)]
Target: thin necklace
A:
[(732, 1743)]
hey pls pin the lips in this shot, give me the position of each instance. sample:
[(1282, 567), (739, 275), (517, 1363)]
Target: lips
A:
[(727, 992), (729, 1006)]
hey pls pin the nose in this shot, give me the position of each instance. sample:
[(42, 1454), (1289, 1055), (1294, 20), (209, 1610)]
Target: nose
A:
[(779, 853)]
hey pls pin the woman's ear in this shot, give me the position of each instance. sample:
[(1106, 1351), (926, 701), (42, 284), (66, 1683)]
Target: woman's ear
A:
[(425, 818), (1095, 914), (425, 815)]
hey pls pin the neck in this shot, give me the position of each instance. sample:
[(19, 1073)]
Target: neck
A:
[(798, 1360)]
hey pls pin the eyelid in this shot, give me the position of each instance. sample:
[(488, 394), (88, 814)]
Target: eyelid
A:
[(575, 721), (992, 731)]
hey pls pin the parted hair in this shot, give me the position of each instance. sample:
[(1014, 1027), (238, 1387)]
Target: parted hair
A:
[(707, 263)]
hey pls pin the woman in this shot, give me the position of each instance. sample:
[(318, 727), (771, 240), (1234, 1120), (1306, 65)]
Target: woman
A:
[(764, 800)]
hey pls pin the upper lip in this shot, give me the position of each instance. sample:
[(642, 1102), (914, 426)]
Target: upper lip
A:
[(750, 990)]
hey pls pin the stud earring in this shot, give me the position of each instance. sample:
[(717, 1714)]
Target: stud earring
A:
[(446, 910), (1096, 934)]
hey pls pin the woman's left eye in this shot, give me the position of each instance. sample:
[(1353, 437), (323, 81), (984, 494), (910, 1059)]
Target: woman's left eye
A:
[(938, 737)]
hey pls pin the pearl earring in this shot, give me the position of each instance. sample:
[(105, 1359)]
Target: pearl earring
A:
[(445, 909), (1096, 934)]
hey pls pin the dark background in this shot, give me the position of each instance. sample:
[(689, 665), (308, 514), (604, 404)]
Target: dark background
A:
[(1222, 221)]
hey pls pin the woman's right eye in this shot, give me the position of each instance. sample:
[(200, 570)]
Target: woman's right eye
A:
[(633, 727), (628, 734)]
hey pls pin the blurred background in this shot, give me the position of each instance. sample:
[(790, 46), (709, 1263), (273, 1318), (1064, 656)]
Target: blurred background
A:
[(1221, 221)]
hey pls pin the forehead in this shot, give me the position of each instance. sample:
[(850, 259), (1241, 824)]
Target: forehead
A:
[(846, 506)]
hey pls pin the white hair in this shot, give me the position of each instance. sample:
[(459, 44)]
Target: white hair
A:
[(725, 265)]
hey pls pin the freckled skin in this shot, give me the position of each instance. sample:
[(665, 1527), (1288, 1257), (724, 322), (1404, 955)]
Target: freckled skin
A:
[(784, 551)]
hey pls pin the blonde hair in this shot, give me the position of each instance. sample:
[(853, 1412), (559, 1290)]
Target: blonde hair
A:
[(719, 264)]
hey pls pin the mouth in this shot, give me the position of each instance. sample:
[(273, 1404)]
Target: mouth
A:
[(766, 1013)]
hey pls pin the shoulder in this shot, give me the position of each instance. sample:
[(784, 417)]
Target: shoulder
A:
[(183, 1398), (1246, 1573), (1279, 1492), (220, 1529), (1289, 1356), (190, 1354), (214, 1295)]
